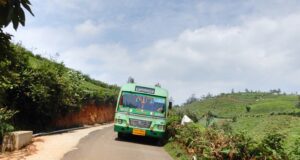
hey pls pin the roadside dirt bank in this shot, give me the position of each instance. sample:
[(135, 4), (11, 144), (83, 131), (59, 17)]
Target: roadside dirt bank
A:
[(88, 115)]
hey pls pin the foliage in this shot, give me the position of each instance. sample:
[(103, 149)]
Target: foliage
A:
[(191, 99), (248, 108), (295, 153), (219, 143), (296, 114), (11, 63), (272, 147), (298, 103), (245, 146), (12, 11), (173, 122), (192, 115), (226, 127), (234, 119), (209, 118), (130, 79), (44, 94), (5, 126), (270, 113), (42, 90)]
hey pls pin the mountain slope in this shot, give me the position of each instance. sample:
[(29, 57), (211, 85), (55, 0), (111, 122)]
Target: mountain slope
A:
[(268, 113)]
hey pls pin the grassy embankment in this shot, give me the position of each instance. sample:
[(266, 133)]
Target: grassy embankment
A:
[(267, 113), (39, 91)]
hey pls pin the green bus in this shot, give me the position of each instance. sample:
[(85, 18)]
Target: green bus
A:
[(141, 110)]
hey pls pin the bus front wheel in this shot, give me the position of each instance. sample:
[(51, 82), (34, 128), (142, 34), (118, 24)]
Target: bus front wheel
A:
[(121, 135)]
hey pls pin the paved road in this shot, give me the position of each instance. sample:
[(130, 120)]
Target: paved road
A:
[(103, 145)]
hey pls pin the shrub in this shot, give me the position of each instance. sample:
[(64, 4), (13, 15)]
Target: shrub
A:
[(295, 153), (191, 99), (5, 126), (226, 127), (209, 118), (173, 122), (248, 108), (245, 146), (192, 115), (298, 103), (43, 90), (272, 146), (219, 143), (234, 119)]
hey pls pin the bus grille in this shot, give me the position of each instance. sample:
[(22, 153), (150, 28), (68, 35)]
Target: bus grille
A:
[(139, 123)]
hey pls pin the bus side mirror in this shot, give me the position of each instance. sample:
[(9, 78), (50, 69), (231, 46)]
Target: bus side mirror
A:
[(170, 105)]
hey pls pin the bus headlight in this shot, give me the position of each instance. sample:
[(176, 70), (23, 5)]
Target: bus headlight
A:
[(161, 127), (119, 121)]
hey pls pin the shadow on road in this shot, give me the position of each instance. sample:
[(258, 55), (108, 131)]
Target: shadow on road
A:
[(140, 140)]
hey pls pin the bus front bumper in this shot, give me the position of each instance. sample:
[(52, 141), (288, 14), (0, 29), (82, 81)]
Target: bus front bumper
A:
[(129, 130)]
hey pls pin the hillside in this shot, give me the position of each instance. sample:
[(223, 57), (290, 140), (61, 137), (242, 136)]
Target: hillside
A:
[(268, 113), (99, 91), (36, 92)]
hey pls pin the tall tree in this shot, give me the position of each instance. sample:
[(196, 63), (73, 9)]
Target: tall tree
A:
[(11, 63)]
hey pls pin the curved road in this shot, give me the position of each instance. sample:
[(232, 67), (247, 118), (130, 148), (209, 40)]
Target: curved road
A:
[(103, 145)]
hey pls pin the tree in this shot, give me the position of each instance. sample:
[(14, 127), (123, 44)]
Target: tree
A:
[(5, 116), (12, 11), (209, 117), (247, 90), (11, 64), (130, 80), (248, 108), (232, 91), (298, 103), (191, 99), (171, 99), (157, 85)]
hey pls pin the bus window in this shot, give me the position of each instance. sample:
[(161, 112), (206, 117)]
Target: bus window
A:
[(149, 103)]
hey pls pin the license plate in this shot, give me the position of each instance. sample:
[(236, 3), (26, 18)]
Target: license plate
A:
[(138, 132)]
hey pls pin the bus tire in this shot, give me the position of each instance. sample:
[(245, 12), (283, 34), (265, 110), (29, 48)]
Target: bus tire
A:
[(160, 142), (121, 135)]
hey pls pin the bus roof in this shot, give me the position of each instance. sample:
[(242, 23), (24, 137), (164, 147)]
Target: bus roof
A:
[(132, 87)]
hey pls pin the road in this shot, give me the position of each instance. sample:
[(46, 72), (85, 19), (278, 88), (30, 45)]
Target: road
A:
[(103, 145)]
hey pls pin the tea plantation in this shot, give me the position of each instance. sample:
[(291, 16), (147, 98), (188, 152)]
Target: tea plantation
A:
[(261, 116), (268, 112)]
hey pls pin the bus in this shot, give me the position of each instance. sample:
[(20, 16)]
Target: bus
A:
[(141, 110)]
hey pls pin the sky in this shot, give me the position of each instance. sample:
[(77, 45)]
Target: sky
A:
[(188, 46)]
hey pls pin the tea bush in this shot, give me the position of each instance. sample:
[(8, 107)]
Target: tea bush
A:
[(220, 143), (295, 153)]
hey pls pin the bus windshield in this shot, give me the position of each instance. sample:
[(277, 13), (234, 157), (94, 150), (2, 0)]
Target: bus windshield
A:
[(145, 102)]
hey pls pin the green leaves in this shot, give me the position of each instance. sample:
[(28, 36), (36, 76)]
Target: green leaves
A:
[(295, 153), (26, 4), (5, 116), (215, 143), (12, 11), (43, 90)]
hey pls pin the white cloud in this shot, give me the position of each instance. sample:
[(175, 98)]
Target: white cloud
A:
[(106, 62), (254, 52), (44, 40), (260, 54), (89, 28)]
